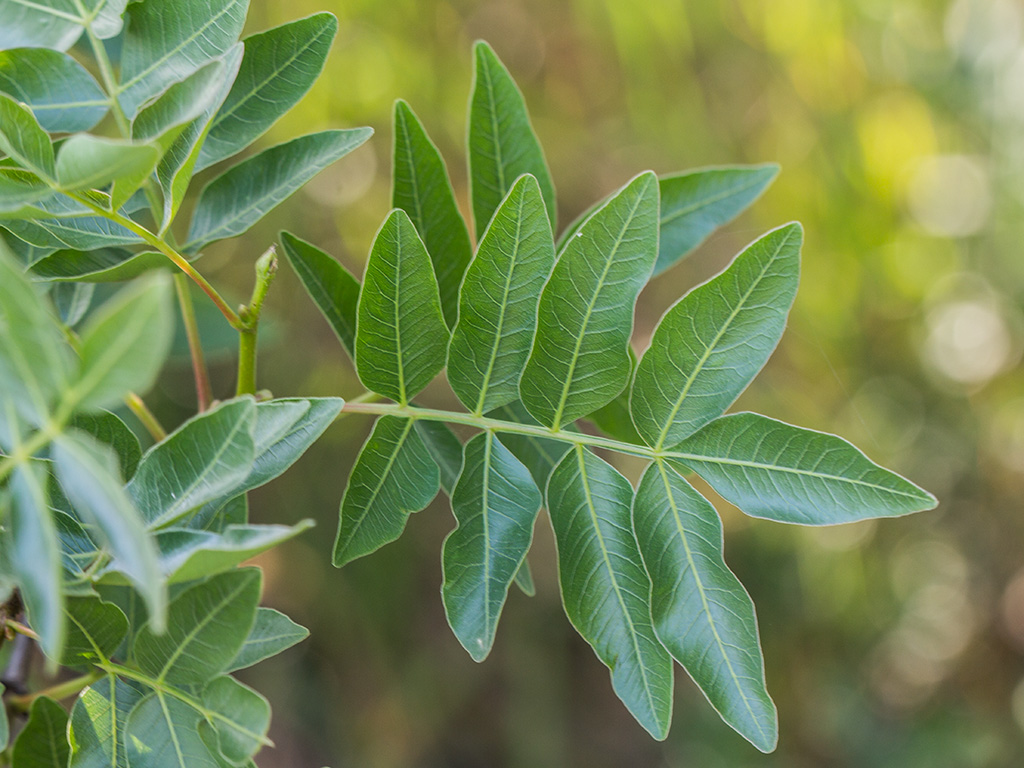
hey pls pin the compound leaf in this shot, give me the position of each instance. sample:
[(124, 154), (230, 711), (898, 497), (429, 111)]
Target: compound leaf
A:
[(701, 612), (502, 143), (495, 502), (278, 68), (62, 95), (206, 627), (712, 342), (421, 188), (332, 287), (580, 359), (401, 336), (243, 194), (780, 472), (605, 590), (497, 314), (393, 477)]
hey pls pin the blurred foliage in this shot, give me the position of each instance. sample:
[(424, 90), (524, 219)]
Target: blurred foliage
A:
[(900, 130)]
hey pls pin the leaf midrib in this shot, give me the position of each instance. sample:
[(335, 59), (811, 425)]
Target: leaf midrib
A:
[(710, 348), (705, 202)]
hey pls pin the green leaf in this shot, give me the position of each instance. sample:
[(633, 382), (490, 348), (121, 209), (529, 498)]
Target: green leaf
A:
[(95, 630), (163, 732), (332, 287), (780, 472), (502, 144), (125, 344), (204, 459), (110, 430), (98, 721), (179, 162), (81, 234), (524, 579), (23, 138), (206, 627), (5, 733), (272, 632), (495, 503), (103, 265), (421, 188), (605, 590), (187, 554), (164, 42), (246, 718), (19, 190), (393, 477), (72, 301), (540, 454), (580, 360), (498, 301), (62, 95), (278, 68), (445, 448), (42, 743), (34, 362), (57, 23), (711, 344), (695, 203), (88, 474), (36, 559), (92, 162), (401, 335), (701, 612), (164, 118), (243, 195)]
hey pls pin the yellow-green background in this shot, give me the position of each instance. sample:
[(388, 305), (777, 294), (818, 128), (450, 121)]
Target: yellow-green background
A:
[(900, 130)]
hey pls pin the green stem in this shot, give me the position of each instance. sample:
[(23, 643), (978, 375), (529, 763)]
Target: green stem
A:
[(143, 414), (204, 391), (498, 425), (21, 629), (59, 691), (248, 333), (176, 258), (107, 75)]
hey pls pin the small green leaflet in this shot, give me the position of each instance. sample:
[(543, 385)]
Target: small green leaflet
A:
[(57, 23), (712, 343), (394, 476), (246, 717), (780, 472), (95, 630), (401, 336), (103, 265), (110, 430), (272, 632), (163, 732), (502, 144), (92, 162), (332, 287), (204, 459), (605, 589), (84, 233), (701, 612), (206, 627), (24, 140), (277, 69), (97, 724), (497, 315), (243, 194), (62, 95), (42, 743), (495, 502), (421, 188), (580, 359), (165, 41)]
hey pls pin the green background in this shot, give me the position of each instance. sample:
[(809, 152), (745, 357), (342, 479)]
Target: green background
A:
[(900, 130)]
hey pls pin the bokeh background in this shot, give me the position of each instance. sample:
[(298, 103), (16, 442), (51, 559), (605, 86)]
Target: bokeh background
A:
[(900, 130)]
